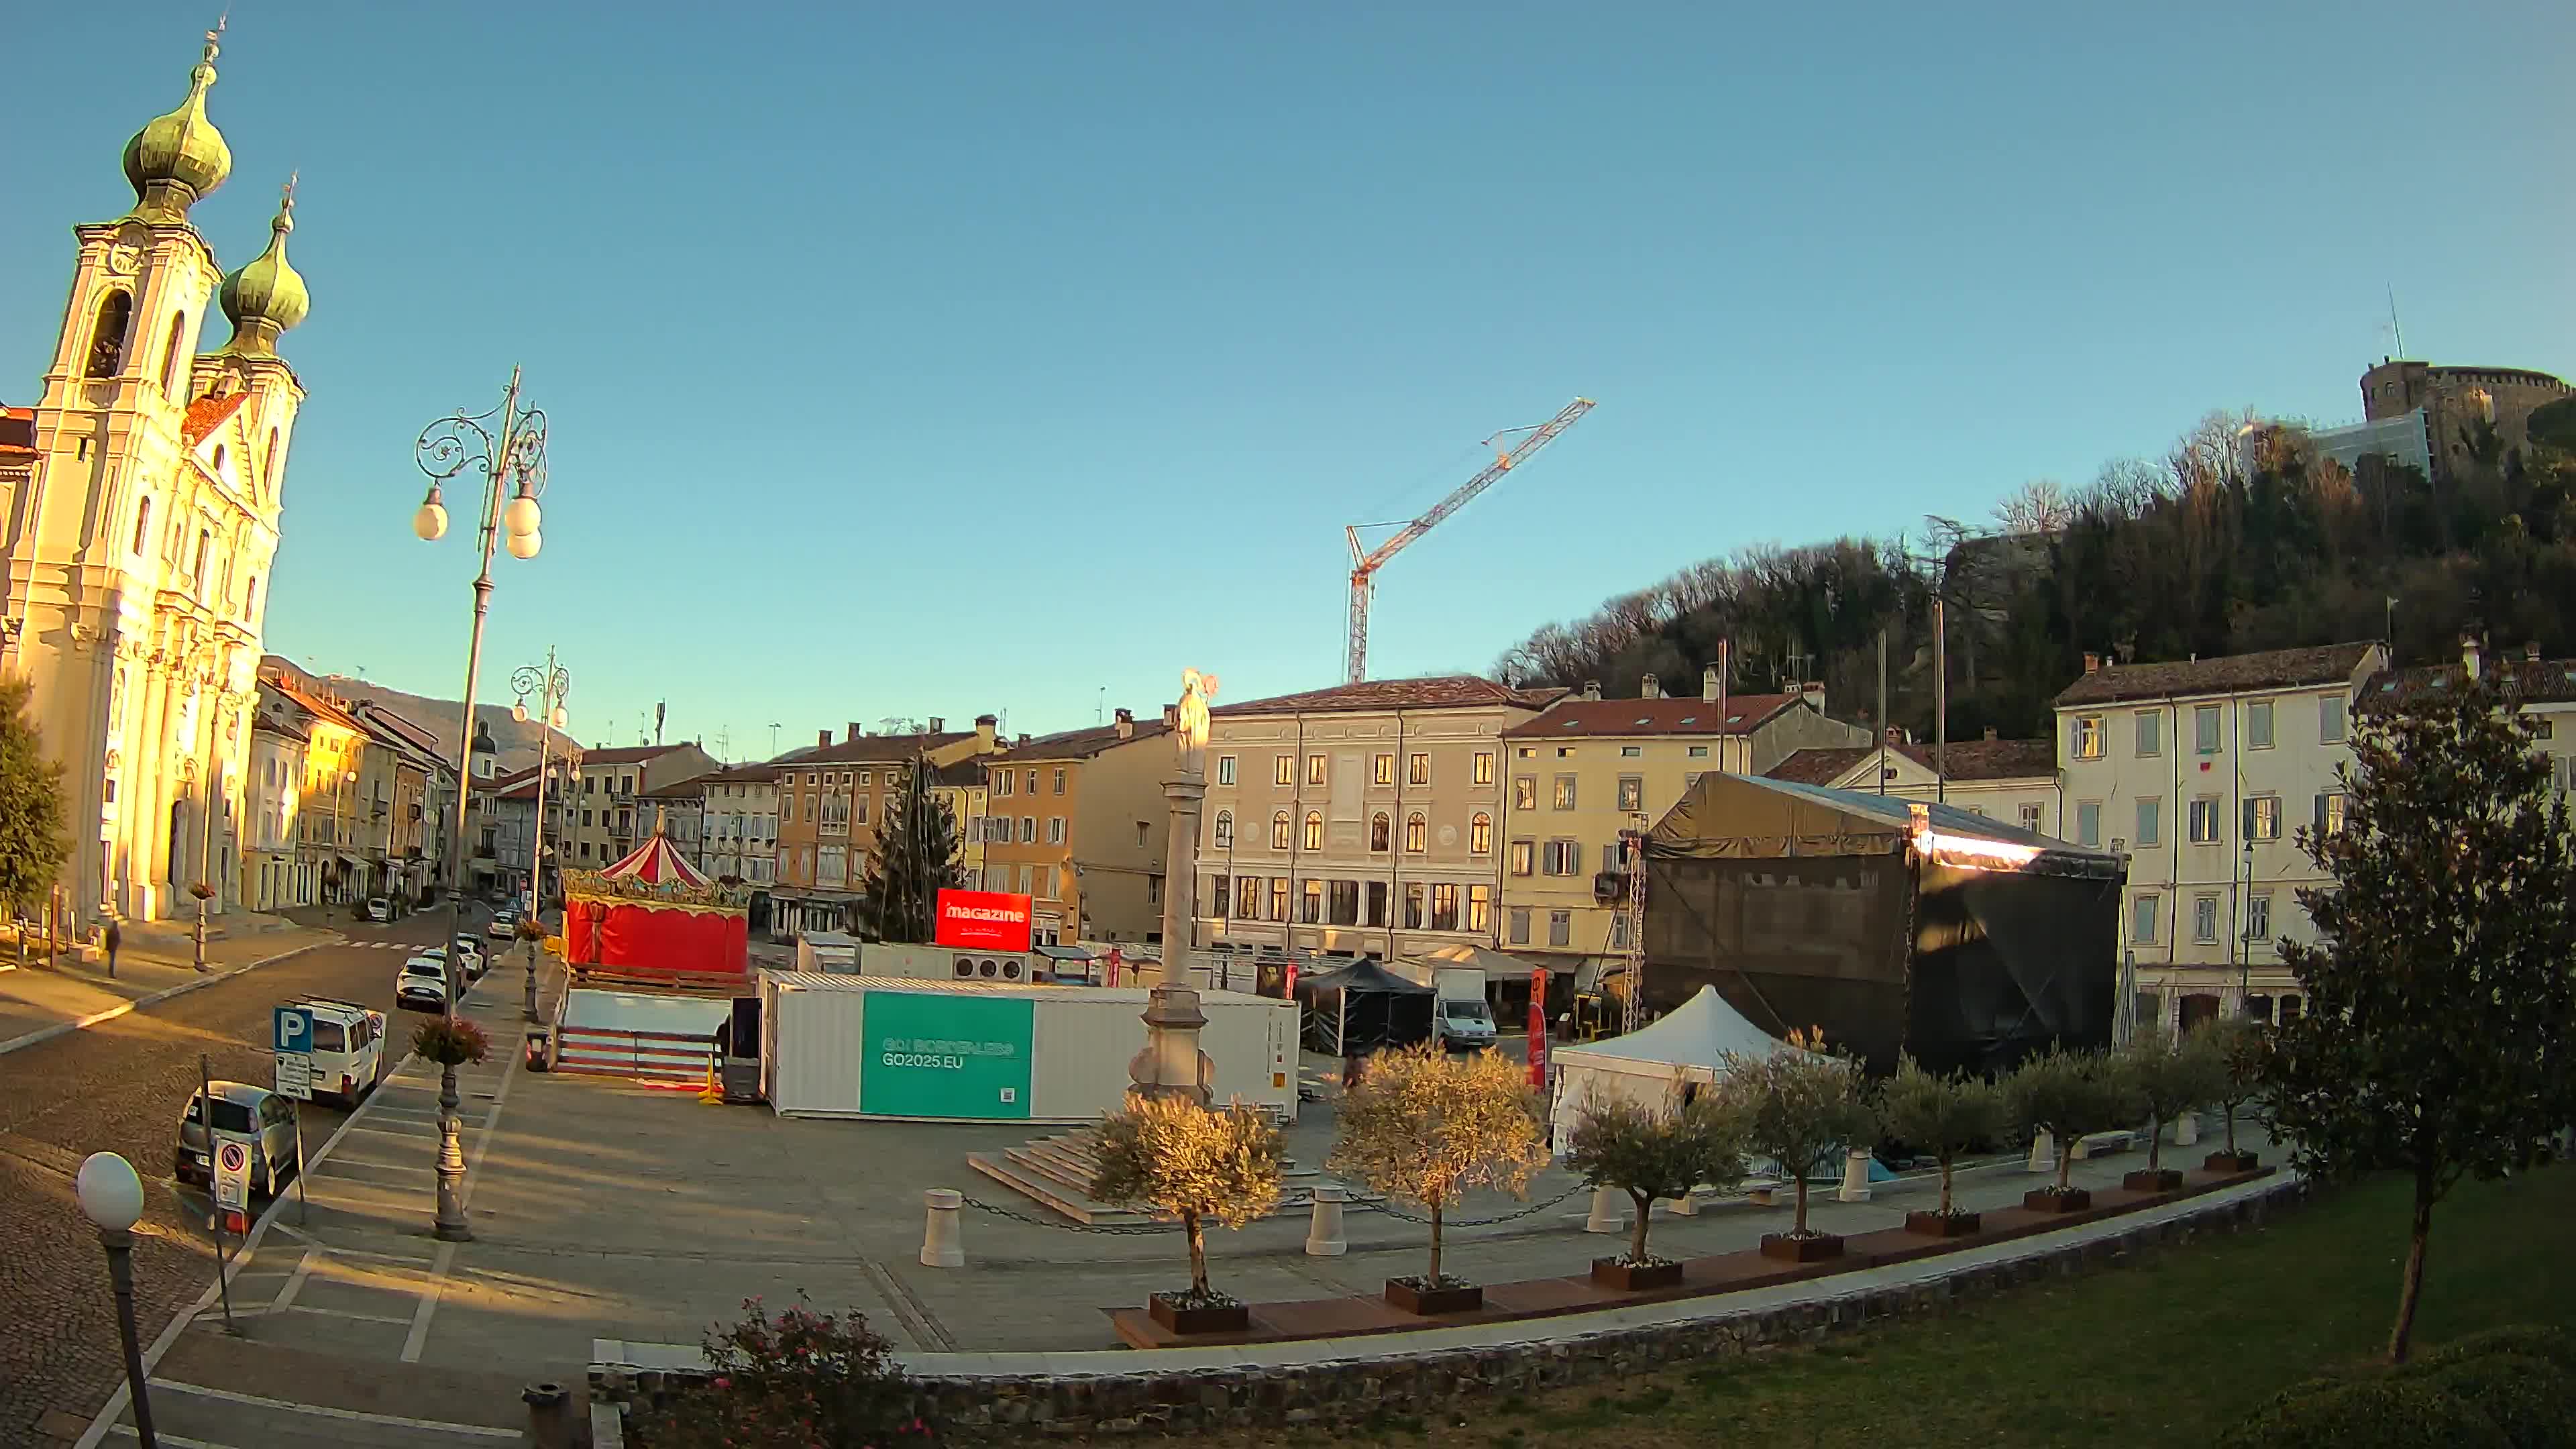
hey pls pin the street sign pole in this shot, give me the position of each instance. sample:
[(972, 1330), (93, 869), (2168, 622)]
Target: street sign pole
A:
[(223, 1249), (303, 1205)]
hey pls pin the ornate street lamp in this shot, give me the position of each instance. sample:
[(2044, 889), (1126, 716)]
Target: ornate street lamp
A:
[(508, 447), (111, 1197), (549, 684)]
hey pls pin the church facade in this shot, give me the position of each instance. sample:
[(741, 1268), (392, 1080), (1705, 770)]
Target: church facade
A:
[(139, 542)]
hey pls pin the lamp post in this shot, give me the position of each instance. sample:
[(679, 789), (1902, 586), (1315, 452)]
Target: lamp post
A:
[(508, 447), (549, 684), (111, 1197)]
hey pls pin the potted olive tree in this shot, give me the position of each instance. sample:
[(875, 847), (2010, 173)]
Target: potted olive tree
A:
[(2066, 1095), (1174, 1156), (1423, 1127), (1648, 1154), (2169, 1078), (1944, 1117), (2240, 1049), (1802, 1108)]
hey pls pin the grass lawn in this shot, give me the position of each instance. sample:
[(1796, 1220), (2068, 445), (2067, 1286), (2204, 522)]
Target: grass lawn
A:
[(2165, 1351)]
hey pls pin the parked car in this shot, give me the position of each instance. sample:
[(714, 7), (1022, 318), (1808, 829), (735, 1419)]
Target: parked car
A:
[(505, 922), (348, 1048), (422, 984), (1466, 1025), (379, 909), (239, 1109), (469, 954)]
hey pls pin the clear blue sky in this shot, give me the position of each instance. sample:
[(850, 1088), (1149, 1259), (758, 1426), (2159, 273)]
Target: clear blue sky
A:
[(928, 359)]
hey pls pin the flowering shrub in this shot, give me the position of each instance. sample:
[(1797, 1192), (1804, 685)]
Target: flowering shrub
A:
[(796, 1380), (450, 1043)]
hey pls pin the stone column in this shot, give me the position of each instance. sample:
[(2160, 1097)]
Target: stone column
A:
[(1181, 875), (1171, 1065)]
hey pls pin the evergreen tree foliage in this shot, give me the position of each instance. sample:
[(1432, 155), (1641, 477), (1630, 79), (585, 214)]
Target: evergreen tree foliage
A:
[(916, 857), (2439, 1038), (34, 841), (2233, 542)]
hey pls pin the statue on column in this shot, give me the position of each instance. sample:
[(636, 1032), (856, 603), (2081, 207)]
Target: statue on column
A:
[(1190, 721)]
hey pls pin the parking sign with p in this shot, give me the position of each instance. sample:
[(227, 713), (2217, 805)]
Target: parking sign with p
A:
[(294, 1029)]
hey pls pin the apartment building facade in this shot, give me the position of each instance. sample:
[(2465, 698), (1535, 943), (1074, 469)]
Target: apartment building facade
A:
[(1078, 822), (2010, 781), (272, 878), (961, 787), (2201, 772), (1585, 769), (606, 819), (1360, 820), (832, 799), (740, 836)]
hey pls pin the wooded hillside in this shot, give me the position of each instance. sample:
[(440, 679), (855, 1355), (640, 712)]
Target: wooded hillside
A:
[(2240, 538)]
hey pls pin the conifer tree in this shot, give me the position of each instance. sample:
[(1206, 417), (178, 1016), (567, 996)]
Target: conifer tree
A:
[(916, 857), (34, 842)]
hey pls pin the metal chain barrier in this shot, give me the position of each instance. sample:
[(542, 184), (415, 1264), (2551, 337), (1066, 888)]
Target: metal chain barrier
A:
[(1446, 1223), (1110, 1229)]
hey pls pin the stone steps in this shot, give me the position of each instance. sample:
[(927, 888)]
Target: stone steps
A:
[(1057, 1171)]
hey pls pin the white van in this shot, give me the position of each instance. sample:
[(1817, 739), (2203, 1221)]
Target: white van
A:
[(348, 1048)]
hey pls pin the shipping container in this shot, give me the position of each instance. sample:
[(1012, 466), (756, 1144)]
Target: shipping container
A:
[(867, 1046)]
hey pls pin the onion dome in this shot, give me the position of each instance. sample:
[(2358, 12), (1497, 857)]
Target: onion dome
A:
[(267, 297), (176, 159)]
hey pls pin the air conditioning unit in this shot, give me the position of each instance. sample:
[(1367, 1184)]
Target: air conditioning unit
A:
[(965, 968), (1011, 970), (1609, 885)]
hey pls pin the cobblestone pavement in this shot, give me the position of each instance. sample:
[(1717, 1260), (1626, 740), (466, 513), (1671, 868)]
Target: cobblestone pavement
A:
[(119, 1086)]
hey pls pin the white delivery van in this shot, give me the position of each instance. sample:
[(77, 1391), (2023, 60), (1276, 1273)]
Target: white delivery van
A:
[(348, 1048), (1465, 1019)]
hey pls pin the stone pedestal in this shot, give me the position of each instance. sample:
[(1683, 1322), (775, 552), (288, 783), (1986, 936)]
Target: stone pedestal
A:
[(1855, 1186), (1324, 1229), (2043, 1153), (1687, 1205), (1171, 1065), (2187, 1129), (940, 1245), (1605, 1218)]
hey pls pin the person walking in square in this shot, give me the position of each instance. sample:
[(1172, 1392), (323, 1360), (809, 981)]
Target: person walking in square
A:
[(111, 940)]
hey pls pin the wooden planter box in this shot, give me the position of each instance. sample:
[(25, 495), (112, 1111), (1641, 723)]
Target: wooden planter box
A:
[(1204, 1318), (2230, 1162), (1631, 1278), (1944, 1225), (2160, 1179), (2050, 1200), (1815, 1249), (1428, 1302)]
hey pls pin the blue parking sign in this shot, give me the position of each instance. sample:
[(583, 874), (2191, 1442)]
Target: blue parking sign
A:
[(294, 1028)]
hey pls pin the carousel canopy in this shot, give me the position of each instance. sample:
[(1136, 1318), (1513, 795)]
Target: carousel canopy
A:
[(655, 863), (655, 874)]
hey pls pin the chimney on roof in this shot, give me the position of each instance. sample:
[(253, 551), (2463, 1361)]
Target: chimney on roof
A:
[(854, 732), (822, 738), (1990, 732), (1127, 723), (1023, 739), (1592, 689), (985, 726), (1813, 691), (2092, 663), (1650, 687), (1708, 684), (2469, 652), (938, 724)]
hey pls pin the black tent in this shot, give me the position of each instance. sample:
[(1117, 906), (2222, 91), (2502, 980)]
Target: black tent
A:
[(1362, 1008), (1892, 925)]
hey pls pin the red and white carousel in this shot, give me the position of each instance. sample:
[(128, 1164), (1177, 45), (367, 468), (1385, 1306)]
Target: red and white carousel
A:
[(654, 917)]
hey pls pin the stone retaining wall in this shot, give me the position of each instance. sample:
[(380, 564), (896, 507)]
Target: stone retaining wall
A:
[(1423, 1381)]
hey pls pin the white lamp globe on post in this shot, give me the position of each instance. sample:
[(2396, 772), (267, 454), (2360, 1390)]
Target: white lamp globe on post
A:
[(524, 545), (430, 523), (111, 1197), (521, 517)]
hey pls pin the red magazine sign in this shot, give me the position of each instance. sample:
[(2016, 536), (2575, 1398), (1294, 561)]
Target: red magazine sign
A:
[(983, 921)]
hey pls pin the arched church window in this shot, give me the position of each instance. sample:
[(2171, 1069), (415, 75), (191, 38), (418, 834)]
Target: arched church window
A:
[(250, 598), (205, 543), (143, 524), (268, 465), (107, 338), (219, 460), (170, 357)]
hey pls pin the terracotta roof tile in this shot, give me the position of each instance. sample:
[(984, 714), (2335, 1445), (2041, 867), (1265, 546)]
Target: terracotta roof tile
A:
[(1443, 691), (2227, 674), (1606, 718), (1079, 744), (871, 749), (629, 755), (207, 414), (1969, 760), (2533, 681)]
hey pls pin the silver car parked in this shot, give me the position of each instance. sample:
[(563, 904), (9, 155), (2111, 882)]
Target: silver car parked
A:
[(240, 1109)]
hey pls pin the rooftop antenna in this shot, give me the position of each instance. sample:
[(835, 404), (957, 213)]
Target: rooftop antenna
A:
[(2398, 332), (661, 707), (1100, 708)]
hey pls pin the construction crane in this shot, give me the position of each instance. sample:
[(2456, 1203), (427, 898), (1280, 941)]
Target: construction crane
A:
[(1366, 562)]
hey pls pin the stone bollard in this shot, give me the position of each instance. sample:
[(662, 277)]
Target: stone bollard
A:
[(940, 1245), (1855, 1186), (549, 1416), (1605, 1211), (1324, 1228), (2043, 1153), (1687, 1205), (2187, 1129)]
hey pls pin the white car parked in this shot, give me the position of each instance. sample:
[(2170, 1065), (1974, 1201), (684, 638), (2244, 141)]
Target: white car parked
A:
[(422, 985), (348, 1048)]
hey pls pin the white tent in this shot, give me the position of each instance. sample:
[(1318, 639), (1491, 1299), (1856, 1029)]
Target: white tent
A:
[(1655, 1064)]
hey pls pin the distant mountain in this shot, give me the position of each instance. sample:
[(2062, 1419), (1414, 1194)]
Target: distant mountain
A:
[(517, 742)]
